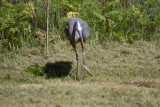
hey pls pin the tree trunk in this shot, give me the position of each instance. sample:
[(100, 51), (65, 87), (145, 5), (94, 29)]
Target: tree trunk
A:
[(47, 27)]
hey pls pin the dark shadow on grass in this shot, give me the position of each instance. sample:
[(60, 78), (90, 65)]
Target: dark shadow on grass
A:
[(57, 69)]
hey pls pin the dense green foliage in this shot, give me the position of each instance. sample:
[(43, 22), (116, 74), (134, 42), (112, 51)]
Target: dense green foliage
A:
[(15, 26), (35, 69), (123, 21)]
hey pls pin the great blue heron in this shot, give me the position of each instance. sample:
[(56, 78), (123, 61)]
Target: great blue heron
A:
[(77, 30)]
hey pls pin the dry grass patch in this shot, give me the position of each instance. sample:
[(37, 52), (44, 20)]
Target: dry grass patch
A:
[(125, 75)]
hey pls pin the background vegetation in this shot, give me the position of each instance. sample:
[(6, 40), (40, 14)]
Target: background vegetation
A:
[(24, 22)]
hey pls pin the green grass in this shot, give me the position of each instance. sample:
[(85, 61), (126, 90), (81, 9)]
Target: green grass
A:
[(125, 76)]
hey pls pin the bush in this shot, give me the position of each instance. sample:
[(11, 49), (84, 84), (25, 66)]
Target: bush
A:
[(15, 26), (115, 20), (35, 69)]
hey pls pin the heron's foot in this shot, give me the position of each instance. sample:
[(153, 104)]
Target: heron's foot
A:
[(77, 75), (81, 82), (77, 78), (82, 74)]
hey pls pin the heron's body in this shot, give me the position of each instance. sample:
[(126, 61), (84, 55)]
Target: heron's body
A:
[(77, 30), (70, 30)]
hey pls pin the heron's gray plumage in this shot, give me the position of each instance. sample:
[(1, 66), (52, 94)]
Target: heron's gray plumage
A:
[(71, 32), (77, 30)]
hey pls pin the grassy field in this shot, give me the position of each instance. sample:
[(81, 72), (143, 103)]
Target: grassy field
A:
[(124, 76)]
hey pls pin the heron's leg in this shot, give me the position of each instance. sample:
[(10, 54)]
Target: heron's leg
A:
[(83, 49), (77, 65), (77, 59)]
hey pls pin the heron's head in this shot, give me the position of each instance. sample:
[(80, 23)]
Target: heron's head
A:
[(78, 28)]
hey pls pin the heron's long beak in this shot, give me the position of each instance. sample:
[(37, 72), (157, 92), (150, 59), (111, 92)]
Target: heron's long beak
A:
[(80, 33), (79, 28)]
